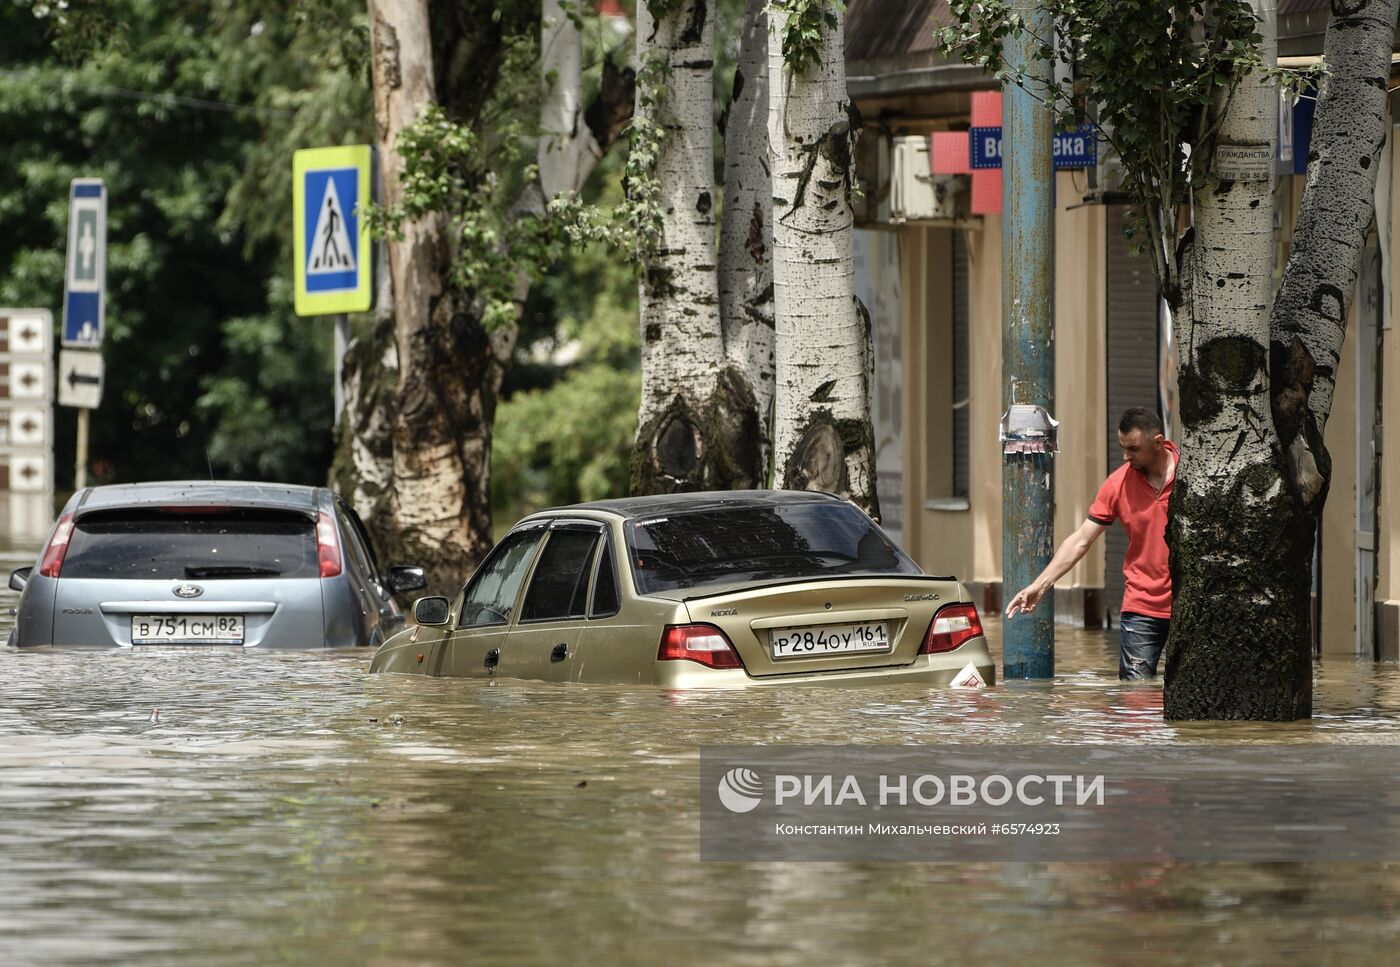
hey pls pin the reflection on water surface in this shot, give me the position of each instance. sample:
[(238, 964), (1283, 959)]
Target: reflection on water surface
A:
[(292, 808)]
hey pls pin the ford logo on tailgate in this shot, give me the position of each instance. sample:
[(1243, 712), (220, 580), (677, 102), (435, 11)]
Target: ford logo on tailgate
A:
[(189, 591)]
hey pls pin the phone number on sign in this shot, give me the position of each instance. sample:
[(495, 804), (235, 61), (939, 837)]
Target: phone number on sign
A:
[(1025, 829)]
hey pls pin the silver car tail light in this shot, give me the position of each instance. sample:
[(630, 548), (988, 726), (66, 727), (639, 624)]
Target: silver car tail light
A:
[(52, 564), (327, 545)]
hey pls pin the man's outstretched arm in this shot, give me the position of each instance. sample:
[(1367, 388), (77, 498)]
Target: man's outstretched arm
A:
[(1067, 555)]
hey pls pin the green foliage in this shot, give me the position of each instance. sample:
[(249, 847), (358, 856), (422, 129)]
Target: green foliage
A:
[(636, 225), (561, 445), (804, 33), (569, 437), (1155, 76), (472, 172), (306, 69), (189, 112)]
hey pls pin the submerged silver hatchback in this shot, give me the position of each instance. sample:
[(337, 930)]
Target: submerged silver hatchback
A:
[(244, 565)]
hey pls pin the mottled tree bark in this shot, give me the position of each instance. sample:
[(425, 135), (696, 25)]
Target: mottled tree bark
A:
[(415, 443), (437, 497), (745, 262), (823, 437), (1255, 398), (682, 347)]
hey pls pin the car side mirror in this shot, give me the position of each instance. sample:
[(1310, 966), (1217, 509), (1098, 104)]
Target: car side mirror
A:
[(19, 577), (404, 577), (431, 611)]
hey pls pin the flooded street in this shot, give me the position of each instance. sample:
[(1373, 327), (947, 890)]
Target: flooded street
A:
[(294, 809)]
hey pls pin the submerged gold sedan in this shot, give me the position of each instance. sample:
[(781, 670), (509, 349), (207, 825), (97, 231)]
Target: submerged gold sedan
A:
[(710, 589)]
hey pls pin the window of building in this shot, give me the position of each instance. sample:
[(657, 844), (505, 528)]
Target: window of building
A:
[(947, 301), (961, 384)]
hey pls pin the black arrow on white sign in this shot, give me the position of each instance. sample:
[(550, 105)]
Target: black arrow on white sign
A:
[(75, 377)]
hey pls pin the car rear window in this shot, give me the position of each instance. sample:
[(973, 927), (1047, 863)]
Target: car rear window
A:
[(221, 544), (728, 544)]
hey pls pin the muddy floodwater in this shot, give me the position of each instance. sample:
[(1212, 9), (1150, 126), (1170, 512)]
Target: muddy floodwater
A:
[(203, 807)]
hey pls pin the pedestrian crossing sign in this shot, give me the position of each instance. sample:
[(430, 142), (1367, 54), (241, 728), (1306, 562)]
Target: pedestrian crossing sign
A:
[(330, 189)]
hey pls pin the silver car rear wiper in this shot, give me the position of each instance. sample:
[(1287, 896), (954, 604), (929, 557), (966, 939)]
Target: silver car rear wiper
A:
[(230, 571)]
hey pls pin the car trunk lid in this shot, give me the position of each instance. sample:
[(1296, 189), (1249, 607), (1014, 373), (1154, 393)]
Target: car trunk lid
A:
[(90, 611), (824, 624), (190, 575)]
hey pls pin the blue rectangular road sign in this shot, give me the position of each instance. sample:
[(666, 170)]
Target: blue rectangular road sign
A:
[(329, 268), (84, 299), (1072, 149)]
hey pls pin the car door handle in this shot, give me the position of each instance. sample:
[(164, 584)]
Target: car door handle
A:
[(493, 658), (560, 652)]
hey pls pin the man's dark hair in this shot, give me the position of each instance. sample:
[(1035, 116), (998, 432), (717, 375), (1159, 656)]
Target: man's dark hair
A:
[(1141, 418)]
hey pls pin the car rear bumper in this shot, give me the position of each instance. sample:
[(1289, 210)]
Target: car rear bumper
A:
[(924, 670)]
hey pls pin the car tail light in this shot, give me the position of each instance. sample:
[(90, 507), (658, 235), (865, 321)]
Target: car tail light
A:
[(327, 545), (52, 564), (705, 644), (950, 627)]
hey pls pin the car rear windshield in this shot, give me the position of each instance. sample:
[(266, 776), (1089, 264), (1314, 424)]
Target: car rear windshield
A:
[(184, 544), (730, 544)]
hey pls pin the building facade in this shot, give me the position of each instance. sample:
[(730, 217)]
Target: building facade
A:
[(929, 266)]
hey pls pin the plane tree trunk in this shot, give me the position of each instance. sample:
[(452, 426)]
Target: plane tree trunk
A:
[(434, 501), (1230, 511), (682, 345), (1256, 388), (745, 262), (823, 437), (421, 389)]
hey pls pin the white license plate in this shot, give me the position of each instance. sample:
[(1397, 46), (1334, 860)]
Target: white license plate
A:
[(211, 629), (829, 640)]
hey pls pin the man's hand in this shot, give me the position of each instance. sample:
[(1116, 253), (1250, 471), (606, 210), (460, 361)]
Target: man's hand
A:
[(1067, 555), (1026, 600)]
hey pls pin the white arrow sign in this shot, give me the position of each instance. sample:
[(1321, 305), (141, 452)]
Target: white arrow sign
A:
[(24, 426), (79, 378)]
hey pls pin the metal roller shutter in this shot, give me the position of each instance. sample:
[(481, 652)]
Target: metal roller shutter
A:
[(1133, 346), (961, 386)]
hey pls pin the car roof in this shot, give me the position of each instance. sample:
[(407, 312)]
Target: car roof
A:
[(630, 507), (201, 493)]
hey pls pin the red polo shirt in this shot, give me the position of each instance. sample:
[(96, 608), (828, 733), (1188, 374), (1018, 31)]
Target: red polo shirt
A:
[(1127, 496)]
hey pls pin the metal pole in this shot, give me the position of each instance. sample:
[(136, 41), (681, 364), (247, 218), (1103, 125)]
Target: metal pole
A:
[(80, 468), (342, 341), (1028, 336)]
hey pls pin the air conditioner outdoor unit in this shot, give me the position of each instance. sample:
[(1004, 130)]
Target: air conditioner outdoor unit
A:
[(916, 194)]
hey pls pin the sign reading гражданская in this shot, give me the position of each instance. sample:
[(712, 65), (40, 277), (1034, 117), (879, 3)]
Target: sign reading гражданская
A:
[(1049, 803)]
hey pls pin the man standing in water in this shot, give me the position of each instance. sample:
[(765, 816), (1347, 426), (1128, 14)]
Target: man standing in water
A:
[(1136, 493)]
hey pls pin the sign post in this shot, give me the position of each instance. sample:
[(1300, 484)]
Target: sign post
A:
[(330, 188), (85, 281), (1027, 343), (330, 239), (84, 307), (26, 424)]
